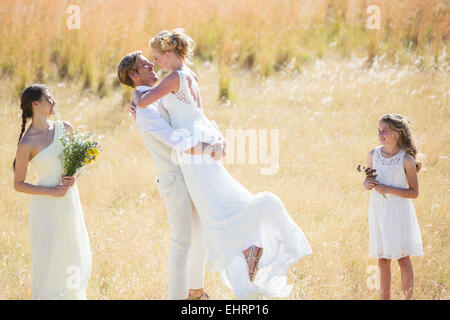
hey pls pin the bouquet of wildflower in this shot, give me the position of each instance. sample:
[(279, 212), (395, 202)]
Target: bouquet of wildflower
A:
[(78, 150), (370, 174)]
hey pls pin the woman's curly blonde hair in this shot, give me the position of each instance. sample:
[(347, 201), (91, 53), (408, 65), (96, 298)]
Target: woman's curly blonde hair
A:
[(174, 41)]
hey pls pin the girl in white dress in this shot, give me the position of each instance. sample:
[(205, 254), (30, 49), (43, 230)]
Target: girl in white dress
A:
[(60, 252), (243, 232), (393, 229)]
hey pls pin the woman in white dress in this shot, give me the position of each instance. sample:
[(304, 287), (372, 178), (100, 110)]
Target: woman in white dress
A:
[(244, 232), (394, 232), (60, 252)]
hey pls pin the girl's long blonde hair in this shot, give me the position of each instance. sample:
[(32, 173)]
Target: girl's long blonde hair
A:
[(400, 124)]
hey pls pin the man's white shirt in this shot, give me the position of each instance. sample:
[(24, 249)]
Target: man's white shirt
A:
[(149, 119)]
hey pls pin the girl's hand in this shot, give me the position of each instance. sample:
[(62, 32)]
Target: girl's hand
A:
[(381, 188), (68, 180), (60, 191), (369, 184)]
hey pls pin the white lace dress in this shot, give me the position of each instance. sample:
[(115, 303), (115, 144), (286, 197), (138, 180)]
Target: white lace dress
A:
[(394, 232), (231, 216)]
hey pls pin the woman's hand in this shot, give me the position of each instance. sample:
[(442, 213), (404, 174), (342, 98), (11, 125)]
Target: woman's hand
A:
[(218, 150), (59, 191), (369, 184), (68, 180)]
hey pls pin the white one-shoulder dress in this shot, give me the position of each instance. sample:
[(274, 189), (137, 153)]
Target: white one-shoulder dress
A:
[(60, 252)]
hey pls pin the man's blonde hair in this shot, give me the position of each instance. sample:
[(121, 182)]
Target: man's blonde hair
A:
[(126, 65)]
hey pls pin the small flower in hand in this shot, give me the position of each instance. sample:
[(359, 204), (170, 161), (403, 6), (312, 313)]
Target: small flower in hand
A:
[(78, 150), (371, 176)]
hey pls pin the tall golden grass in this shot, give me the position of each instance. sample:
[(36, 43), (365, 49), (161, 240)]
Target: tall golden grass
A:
[(263, 34), (326, 112), (327, 120)]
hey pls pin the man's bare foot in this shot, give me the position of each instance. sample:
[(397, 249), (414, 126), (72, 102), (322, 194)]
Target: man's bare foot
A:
[(252, 255), (198, 294)]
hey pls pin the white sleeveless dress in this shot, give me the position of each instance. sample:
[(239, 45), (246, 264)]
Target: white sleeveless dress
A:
[(232, 218), (60, 253), (394, 232)]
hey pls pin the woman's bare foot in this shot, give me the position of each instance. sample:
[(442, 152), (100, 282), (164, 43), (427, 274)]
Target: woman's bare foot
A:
[(252, 255)]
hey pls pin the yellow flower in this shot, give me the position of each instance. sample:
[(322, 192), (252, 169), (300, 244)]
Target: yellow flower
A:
[(164, 42), (95, 151), (86, 160), (90, 153), (94, 158)]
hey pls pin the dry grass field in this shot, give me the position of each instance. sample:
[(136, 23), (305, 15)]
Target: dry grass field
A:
[(326, 109)]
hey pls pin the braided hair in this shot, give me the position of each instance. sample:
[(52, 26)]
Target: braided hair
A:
[(28, 96)]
